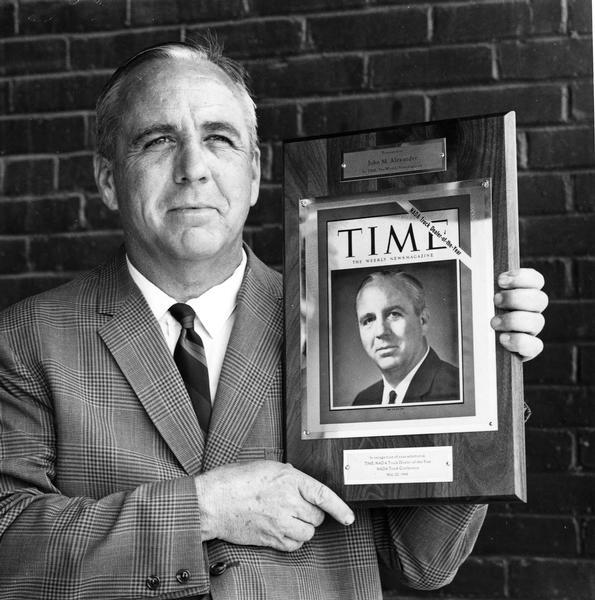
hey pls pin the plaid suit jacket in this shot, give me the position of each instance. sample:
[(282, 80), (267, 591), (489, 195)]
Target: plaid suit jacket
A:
[(99, 445)]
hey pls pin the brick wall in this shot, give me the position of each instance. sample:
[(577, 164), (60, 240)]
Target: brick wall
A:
[(323, 66)]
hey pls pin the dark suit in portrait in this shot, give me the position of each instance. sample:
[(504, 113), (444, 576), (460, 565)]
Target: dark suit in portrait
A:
[(435, 381)]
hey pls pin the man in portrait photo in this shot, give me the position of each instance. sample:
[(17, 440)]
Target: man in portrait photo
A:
[(393, 322)]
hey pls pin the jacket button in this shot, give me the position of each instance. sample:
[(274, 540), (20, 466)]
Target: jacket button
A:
[(217, 569), (183, 576), (153, 582)]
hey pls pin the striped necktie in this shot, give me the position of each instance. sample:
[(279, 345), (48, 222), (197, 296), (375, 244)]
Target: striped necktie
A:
[(189, 356)]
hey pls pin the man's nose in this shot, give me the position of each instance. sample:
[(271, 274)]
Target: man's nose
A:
[(380, 328), (191, 163)]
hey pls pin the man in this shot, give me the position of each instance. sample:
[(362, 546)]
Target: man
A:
[(109, 487), (393, 322)]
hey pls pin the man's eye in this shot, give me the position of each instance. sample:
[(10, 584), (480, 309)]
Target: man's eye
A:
[(219, 139), (394, 314), (159, 141), (366, 321)]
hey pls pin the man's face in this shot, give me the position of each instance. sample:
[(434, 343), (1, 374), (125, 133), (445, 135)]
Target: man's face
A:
[(392, 334), (184, 174)]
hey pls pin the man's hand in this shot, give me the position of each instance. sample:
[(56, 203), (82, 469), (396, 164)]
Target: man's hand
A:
[(265, 503), (522, 298)]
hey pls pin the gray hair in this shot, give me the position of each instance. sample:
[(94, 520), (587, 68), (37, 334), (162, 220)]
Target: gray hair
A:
[(412, 285), (108, 107)]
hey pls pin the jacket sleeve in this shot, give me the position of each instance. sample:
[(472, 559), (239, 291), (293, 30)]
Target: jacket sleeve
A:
[(426, 545), (135, 543)]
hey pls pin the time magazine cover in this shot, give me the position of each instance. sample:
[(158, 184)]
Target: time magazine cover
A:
[(437, 240)]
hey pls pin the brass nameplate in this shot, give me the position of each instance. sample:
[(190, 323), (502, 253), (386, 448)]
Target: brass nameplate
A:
[(427, 156)]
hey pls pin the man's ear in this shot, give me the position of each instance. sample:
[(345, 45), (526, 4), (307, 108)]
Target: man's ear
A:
[(424, 319), (255, 185), (104, 179)]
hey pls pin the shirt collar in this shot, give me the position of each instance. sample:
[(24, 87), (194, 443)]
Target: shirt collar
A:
[(403, 386), (213, 308)]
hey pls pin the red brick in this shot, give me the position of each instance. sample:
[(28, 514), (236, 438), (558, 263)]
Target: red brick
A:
[(585, 273), (68, 92), (552, 579), (4, 97), (587, 438), (589, 537), (548, 451), (532, 103), (98, 216), (545, 59), (559, 284), (581, 101), (42, 135), (432, 66), (72, 252), (58, 16), (546, 16), (15, 288), (109, 51), (7, 19), (13, 255), (76, 173), (541, 194), (481, 21), (584, 192), (269, 208), (519, 536), (587, 365), (35, 176), (268, 7), (551, 148), (555, 365), (277, 121), (377, 29), (32, 56), (256, 38), (301, 76), (164, 12), (350, 114), (268, 244), (579, 16), (477, 576), (559, 407), (553, 236), (39, 216), (570, 320), (559, 493)]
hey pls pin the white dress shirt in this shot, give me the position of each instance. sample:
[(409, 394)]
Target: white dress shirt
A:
[(215, 315), (402, 388)]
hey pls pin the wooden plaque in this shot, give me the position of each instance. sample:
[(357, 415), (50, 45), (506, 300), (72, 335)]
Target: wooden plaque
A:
[(397, 391)]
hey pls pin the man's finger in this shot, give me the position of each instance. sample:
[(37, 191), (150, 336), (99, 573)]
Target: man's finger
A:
[(318, 494), (309, 513), (521, 278), (519, 321), (523, 344), (531, 300)]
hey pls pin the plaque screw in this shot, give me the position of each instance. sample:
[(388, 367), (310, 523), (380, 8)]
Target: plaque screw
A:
[(305, 202), (485, 183), (343, 166), (491, 424), (347, 467), (442, 155), (306, 432)]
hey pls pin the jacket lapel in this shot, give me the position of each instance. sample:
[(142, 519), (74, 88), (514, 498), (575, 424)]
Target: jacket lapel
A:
[(251, 362), (143, 357), (422, 381)]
